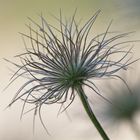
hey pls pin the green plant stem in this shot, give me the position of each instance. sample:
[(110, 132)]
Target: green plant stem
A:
[(91, 114)]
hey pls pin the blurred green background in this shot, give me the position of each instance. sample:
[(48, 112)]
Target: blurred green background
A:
[(13, 16)]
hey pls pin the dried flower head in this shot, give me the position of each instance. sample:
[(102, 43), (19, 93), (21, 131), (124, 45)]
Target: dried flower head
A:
[(61, 61)]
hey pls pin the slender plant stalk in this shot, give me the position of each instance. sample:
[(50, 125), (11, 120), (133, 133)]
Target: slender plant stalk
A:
[(91, 114)]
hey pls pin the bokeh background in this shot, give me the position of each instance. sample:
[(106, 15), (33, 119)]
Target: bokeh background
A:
[(75, 125)]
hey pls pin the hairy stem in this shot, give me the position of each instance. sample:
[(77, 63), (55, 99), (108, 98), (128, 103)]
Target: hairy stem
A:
[(91, 114)]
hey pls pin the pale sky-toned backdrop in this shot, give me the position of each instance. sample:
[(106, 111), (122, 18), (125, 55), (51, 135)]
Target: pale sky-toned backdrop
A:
[(13, 16)]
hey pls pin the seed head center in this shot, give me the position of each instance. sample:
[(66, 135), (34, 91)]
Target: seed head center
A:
[(75, 78)]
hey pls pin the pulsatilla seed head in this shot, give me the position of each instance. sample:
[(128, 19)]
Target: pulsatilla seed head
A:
[(74, 78), (63, 59)]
